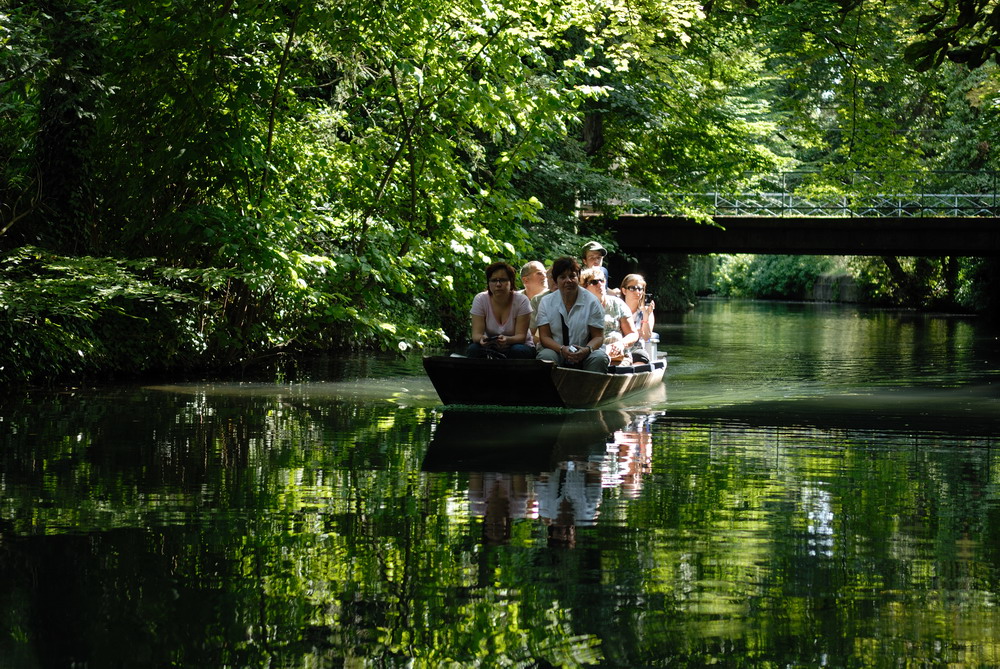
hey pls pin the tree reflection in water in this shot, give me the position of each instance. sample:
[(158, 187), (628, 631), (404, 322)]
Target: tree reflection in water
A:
[(312, 526)]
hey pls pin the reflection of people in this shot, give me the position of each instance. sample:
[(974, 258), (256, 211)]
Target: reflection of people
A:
[(571, 322), (569, 497), (499, 498), (619, 336), (634, 294), (632, 453), (616, 455), (500, 318)]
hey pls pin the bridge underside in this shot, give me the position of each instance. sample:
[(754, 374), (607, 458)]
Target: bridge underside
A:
[(811, 235)]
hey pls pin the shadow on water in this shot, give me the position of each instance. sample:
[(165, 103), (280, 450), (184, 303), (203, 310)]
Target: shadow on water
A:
[(403, 390)]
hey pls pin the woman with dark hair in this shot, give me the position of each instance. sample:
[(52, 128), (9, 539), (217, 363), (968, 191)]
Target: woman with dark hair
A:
[(500, 318), (571, 322)]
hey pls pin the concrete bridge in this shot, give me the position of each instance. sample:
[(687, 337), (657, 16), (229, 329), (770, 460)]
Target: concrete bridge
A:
[(810, 235)]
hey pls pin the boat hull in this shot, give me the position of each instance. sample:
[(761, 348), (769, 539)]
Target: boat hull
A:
[(480, 381)]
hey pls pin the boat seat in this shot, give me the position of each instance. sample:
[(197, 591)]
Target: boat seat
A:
[(627, 369), (635, 369)]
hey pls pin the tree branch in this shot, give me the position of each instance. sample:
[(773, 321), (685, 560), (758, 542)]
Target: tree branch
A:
[(272, 112)]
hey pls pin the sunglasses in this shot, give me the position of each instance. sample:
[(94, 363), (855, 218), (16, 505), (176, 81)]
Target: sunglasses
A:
[(595, 282), (634, 288), (499, 281)]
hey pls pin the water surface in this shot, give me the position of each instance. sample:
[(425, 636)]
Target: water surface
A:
[(814, 485)]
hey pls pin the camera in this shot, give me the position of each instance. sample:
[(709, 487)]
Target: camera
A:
[(649, 298)]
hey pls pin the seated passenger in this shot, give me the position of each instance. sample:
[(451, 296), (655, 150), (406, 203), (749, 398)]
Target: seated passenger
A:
[(571, 322), (534, 279), (634, 292), (535, 301), (500, 318), (593, 256), (619, 335)]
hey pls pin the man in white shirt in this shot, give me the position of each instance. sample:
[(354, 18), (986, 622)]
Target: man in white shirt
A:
[(571, 322)]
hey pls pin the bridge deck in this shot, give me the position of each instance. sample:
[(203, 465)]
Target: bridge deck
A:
[(904, 236)]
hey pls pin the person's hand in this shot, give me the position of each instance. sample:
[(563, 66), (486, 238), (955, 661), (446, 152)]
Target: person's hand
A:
[(573, 357), (501, 342)]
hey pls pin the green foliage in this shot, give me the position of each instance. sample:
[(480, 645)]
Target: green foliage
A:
[(63, 316), (929, 283), (964, 31), (770, 276), (337, 174)]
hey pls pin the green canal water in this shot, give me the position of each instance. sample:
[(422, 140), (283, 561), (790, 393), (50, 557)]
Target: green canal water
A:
[(814, 485)]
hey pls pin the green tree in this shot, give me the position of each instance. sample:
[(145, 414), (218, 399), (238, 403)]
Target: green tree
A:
[(963, 31)]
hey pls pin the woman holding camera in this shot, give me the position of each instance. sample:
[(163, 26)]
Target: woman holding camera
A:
[(500, 318), (633, 289)]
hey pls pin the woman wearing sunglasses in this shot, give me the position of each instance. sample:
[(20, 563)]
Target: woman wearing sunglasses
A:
[(619, 334), (500, 318), (641, 305)]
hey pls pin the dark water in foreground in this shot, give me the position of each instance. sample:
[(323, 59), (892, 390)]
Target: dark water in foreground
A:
[(814, 486)]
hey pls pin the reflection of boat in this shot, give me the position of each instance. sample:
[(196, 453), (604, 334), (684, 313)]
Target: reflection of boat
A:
[(516, 442), (479, 381), (553, 467)]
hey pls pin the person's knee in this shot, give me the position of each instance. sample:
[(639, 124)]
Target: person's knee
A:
[(548, 354), (598, 361), (521, 351)]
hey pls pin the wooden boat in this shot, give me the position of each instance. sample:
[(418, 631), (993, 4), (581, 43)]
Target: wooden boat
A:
[(479, 381)]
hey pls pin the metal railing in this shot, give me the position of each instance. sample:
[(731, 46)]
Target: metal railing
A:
[(789, 194), (897, 205)]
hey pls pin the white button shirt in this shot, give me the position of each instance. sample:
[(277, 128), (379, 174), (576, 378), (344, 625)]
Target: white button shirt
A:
[(585, 313)]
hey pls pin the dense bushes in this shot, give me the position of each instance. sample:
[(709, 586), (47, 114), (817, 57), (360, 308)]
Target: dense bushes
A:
[(65, 316), (770, 276), (952, 283)]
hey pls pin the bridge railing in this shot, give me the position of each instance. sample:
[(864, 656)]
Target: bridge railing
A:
[(861, 194), (788, 204)]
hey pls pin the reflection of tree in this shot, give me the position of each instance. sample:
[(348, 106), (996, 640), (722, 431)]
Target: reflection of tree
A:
[(804, 543), (154, 529), (244, 531)]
